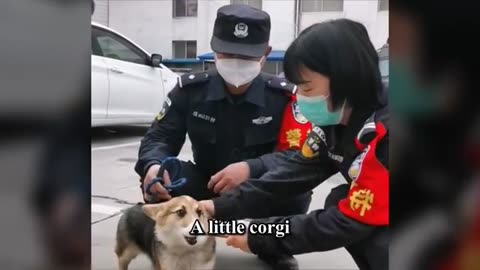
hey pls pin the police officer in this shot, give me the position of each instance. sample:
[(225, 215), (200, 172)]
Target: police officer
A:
[(346, 104), (230, 115)]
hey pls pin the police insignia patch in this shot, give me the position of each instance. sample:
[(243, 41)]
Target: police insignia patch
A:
[(297, 114), (356, 167), (241, 30), (164, 110), (311, 147)]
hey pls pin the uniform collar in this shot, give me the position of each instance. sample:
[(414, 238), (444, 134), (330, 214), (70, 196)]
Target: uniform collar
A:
[(216, 88), (355, 124), (255, 93)]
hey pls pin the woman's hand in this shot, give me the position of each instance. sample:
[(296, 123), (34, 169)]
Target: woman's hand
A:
[(229, 178), (239, 241)]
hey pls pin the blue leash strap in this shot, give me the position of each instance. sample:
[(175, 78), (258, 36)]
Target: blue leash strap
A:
[(173, 166)]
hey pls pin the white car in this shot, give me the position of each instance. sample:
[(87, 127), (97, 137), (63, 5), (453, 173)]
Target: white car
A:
[(129, 85)]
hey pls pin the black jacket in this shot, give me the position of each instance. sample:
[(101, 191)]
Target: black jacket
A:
[(294, 173), (223, 129)]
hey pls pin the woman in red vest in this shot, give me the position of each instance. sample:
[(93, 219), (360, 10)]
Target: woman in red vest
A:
[(335, 67)]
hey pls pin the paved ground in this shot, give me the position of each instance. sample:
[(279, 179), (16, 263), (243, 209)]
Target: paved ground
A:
[(114, 183)]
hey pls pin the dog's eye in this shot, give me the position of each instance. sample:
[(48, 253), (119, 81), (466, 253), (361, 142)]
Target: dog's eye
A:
[(181, 212), (199, 212)]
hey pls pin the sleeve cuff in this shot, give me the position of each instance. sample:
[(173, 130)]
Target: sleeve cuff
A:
[(149, 164), (256, 167), (261, 244), (224, 207)]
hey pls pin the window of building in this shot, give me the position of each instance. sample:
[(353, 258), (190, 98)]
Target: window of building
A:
[(322, 5), (184, 49), (280, 68), (274, 67), (382, 5), (254, 3), (185, 8)]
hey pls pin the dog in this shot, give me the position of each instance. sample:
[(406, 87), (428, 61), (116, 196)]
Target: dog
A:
[(162, 232)]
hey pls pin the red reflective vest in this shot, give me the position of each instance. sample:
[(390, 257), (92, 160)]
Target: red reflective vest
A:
[(294, 129)]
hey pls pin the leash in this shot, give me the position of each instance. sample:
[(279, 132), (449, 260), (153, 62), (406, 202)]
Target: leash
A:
[(173, 166)]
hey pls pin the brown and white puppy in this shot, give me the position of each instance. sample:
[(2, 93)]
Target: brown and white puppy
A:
[(162, 232)]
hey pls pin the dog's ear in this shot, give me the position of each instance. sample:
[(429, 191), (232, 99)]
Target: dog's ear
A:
[(152, 210), (205, 213)]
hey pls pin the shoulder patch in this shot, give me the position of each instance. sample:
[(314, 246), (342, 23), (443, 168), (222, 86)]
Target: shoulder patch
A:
[(368, 131), (280, 83), (297, 115), (315, 141), (193, 78), (166, 106), (356, 166)]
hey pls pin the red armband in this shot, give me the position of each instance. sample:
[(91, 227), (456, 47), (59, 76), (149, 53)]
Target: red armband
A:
[(368, 198)]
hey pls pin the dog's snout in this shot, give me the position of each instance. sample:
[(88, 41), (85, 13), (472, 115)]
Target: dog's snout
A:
[(192, 240)]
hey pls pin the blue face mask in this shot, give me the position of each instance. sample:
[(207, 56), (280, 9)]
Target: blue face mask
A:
[(315, 109)]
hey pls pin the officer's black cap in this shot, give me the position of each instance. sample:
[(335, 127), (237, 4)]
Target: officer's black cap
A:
[(241, 30)]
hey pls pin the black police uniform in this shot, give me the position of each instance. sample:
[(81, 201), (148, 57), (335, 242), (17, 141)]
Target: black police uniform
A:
[(222, 129), (323, 229)]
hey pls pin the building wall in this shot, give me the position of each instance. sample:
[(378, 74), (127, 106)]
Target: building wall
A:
[(207, 11), (101, 12), (363, 11), (282, 16), (144, 22), (151, 24)]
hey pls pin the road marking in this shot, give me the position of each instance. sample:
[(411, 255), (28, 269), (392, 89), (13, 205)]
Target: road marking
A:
[(115, 146), (105, 209)]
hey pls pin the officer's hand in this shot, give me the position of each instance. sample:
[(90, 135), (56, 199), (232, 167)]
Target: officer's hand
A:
[(208, 206), (230, 177), (159, 192)]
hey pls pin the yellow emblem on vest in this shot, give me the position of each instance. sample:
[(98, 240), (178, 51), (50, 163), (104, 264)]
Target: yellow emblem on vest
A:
[(293, 137)]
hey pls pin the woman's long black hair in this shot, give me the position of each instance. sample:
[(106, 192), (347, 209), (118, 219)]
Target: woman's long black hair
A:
[(341, 50)]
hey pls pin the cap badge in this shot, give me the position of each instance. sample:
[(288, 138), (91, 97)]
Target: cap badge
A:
[(241, 30)]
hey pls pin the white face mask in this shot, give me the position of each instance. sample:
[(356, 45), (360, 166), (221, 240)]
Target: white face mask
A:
[(236, 71)]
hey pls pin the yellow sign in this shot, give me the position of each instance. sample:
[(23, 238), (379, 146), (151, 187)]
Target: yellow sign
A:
[(293, 137), (361, 199)]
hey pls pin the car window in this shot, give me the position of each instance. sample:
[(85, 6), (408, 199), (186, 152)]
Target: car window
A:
[(115, 47), (96, 49)]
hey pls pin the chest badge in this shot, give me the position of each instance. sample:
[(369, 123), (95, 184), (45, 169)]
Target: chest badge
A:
[(356, 167), (262, 120), (297, 115)]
